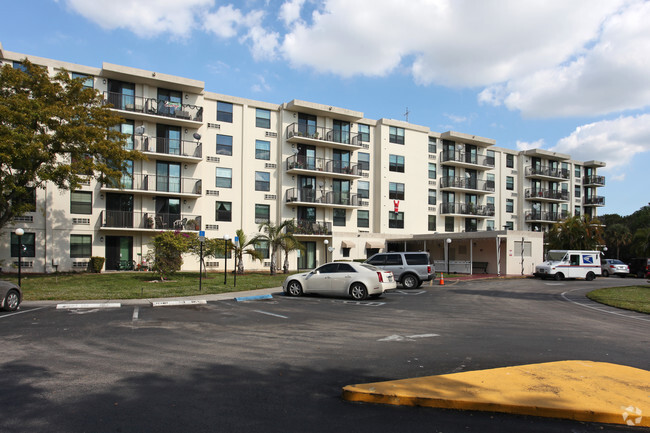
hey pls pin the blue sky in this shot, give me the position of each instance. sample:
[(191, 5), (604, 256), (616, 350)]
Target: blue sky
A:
[(571, 77)]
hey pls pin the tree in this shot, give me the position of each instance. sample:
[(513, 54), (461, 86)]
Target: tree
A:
[(168, 249), (274, 236), (618, 235), (246, 246), (641, 243), (53, 129), (576, 233), (288, 244)]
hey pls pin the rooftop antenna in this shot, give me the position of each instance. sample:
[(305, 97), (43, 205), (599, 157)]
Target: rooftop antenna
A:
[(406, 114)]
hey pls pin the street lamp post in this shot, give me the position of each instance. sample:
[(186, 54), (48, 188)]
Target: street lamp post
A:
[(447, 242), (20, 232), (326, 242), (226, 238)]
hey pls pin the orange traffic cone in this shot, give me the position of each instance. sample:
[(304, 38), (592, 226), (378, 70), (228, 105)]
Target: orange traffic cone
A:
[(442, 279)]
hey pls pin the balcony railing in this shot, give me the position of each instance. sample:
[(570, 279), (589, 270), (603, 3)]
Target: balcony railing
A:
[(595, 200), (149, 220), (546, 171), (467, 183), (467, 158), (311, 195), (549, 194), (302, 162), (594, 180), (308, 227), (546, 216), (467, 209), (322, 133), (154, 183), (168, 146), (156, 107)]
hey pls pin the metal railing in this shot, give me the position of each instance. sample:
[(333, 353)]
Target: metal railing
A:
[(546, 194), (322, 133), (594, 180), (466, 209), (595, 200), (546, 216), (154, 183), (311, 195), (322, 164), (157, 107), (308, 227), (168, 146), (467, 157), (149, 220), (547, 171), (466, 183)]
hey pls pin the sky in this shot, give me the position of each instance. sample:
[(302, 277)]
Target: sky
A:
[(570, 77)]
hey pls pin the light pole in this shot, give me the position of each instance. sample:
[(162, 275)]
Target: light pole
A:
[(226, 238), (326, 242), (447, 242), (20, 232)]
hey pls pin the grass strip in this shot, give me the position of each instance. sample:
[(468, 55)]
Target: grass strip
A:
[(635, 298)]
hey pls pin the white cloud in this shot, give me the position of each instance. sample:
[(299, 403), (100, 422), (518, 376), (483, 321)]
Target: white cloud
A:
[(290, 11), (615, 142), (224, 22), (147, 19), (456, 119), (525, 145)]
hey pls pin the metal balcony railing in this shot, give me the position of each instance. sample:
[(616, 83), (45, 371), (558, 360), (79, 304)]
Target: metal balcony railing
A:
[(149, 220), (595, 200), (308, 227), (466, 209), (546, 194), (594, 180), (467, 183), (546, 171), (467, 157), (156, 107), (311, 195), (154, 183), (546, 216), (322, 133), (168, 146), (321, 164)]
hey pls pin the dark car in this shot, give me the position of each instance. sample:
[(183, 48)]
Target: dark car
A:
[(640, 267), (10, 296), (410, 269)]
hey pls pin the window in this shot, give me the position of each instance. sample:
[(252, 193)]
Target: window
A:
[(339, 217), (224, 112), (127, 175), (262, 181), (510, 183), (431, 223), (262, 247), (489, 181), (168, 140), (262, 118), (432, 170), (449, 224), (396, 191), (224, 177), (396, 163), (490, 157), (510, 205), (577, 169), (396, 220), (224, 145), (20, 66), (576, 211), (363, 189), (577, 191), (510, 161), (364, 160), (396, 135), (81, 246), (363, 218), (432, 196), (28, 200), (168, 176), (169, 101), (262, 213), (510, 225), (126, 128), (346, 252), (87, 81), (262, 149), (432, 145), (364, 133), (489, 225), (81, 202), (29, 245), (223, 211)]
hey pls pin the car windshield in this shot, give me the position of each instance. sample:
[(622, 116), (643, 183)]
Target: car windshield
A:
[(616, 262), (556, 256)]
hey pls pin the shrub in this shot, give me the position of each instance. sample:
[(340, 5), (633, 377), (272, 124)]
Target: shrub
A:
[(96, 264)]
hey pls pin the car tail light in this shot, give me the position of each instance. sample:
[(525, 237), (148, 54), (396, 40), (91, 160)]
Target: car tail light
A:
[(381, 278), (429, 269)]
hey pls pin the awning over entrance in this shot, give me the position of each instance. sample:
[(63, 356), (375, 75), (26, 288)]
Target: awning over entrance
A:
[(375, 244), (347, 244)]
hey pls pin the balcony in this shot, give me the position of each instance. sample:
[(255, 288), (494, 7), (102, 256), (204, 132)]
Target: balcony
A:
[(461, 158), (545, 172), (157, 185), (312, 228), (324, 137), (331, 168), (467, 209), (546, 195), (593, 181), (322, 198), (551, 217), (463, 183), (148, 221), (175, 112), (595, 200), (169, 149)]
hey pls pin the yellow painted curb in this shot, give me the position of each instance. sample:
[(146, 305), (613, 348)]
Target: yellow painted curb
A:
[(579, 390)]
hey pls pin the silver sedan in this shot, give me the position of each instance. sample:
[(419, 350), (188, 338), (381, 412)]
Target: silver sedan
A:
[(357, 280), (10, 296)]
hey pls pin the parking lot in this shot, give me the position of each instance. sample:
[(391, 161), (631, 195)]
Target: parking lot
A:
[(280, 364)]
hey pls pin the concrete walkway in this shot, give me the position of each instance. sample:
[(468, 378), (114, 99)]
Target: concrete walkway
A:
[(579, 390)]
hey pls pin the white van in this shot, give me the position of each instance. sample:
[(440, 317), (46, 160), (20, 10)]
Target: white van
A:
[(562, 264)]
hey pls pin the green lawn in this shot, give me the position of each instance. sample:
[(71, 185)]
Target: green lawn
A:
[(636, 298), (135, 285)]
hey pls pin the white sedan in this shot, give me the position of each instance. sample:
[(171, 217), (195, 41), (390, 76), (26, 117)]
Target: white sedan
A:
[(357, 280)]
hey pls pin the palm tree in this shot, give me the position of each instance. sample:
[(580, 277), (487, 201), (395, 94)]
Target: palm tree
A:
[(274, 236), (576, 233), (245, 246), (619, 235), (289, 243)]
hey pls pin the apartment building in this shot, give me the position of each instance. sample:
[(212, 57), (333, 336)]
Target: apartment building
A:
[(354, 186)]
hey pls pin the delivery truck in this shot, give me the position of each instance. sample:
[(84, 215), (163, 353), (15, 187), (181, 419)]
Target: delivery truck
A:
[(561, 264)]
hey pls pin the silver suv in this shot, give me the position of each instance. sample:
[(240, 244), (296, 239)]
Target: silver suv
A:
[(410, 269)]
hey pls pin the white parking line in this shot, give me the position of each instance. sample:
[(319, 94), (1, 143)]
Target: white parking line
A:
[(89, 305), (271, 314), (20, 312), (136, 313), (602, 308)]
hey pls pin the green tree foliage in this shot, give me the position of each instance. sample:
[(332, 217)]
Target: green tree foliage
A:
[(274, 235), (53, 129), (576, 233), (246, 246), (636, 243), (289, 244), (168, 249)]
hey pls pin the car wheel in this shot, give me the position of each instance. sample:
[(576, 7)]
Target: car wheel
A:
[(294, 288), (559, 276), (358, 292), (12, 300), (605, 273), (590, 276), (410, 281)]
